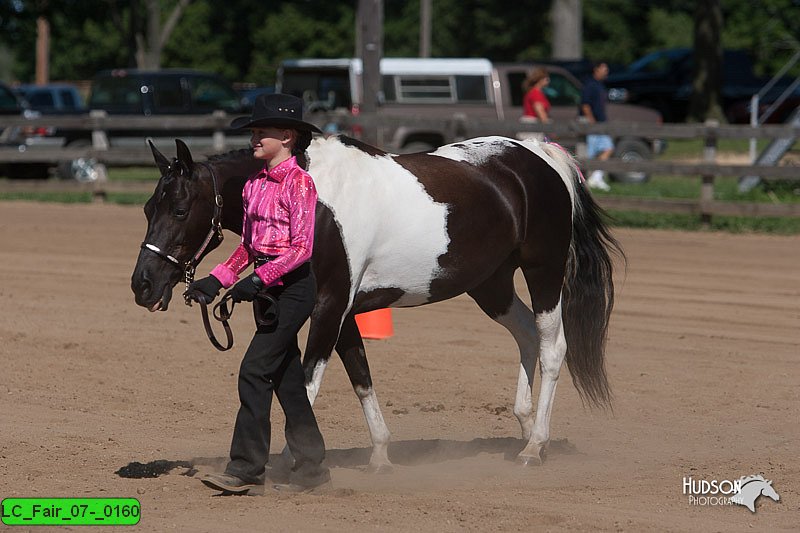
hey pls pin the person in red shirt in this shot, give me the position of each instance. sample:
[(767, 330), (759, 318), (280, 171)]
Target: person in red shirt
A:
[(535, 103), (278, 236)]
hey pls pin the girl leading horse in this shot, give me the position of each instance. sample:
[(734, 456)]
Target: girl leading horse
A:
[(407, 230)]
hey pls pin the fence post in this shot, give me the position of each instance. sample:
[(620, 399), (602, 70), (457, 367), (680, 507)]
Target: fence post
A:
[(707, 187), (219, 131), (99, 137)]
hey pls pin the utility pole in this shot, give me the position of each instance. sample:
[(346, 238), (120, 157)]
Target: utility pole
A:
[(425, 28), (566, 17), (369, 44)]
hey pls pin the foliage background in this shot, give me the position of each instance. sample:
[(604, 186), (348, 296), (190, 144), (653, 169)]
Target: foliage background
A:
[(244, 40)]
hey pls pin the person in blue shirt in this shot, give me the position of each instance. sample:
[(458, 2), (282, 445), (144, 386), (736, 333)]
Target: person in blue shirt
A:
[(593, 109)]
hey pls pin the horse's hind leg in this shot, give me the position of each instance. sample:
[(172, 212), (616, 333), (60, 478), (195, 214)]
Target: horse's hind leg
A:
[(498, 299), (544, 286), (350, 348)]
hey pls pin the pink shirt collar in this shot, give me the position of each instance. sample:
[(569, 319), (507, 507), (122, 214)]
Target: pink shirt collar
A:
[(279, 171)]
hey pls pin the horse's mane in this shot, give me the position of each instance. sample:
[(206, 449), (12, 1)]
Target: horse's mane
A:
[(232, 155)]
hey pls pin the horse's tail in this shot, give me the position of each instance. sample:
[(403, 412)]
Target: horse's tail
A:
[(588, 297), (588, 292)]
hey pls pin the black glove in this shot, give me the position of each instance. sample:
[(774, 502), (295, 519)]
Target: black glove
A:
[(204, 290), (246, 289)]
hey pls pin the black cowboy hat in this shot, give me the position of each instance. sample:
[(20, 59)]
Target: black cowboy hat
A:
[(278, 111)]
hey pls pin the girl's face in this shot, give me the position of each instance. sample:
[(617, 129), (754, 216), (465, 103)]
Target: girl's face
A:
[(269, 143)]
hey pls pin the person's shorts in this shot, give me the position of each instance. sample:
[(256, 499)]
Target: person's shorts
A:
[(597, 144)]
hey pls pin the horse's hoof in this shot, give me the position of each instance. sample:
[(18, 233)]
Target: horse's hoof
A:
[(532, 460), (380, 469)]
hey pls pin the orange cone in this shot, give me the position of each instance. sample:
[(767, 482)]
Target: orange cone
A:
[(375, 324)]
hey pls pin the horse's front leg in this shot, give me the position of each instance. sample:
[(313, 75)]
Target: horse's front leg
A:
[(350, 348)]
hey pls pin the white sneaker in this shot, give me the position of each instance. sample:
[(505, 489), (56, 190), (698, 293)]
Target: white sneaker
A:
[(596, 181)]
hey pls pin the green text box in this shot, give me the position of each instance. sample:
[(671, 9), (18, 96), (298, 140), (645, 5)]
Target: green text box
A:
[(70, 511)]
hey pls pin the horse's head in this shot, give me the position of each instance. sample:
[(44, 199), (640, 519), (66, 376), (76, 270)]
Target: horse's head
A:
[(770, 492), (179, 218)]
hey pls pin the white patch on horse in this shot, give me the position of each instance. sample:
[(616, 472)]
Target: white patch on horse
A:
[(408, 229), (560, 160), (312, 388), (378, 430), (478, 151), (475, 151)]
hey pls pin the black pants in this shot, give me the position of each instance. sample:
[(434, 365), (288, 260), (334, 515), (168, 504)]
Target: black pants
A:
[(272, 364)]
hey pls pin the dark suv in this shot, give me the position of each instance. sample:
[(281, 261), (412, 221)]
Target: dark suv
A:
[(662, 80), (152, 93)]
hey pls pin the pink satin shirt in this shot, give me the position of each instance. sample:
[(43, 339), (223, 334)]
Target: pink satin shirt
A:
[(279, 210)]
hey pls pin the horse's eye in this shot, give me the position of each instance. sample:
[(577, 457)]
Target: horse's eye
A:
[(180, 213)]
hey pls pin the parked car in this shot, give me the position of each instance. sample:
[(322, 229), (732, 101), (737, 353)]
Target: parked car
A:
[(15, 136), (662, 80), (150, 93), (442, 87), (52, 98)]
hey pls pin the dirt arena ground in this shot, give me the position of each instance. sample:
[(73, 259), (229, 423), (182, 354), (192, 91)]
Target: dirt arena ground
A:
[(703, 355)]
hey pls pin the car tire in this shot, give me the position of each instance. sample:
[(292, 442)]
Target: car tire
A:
[(632, 150), (72, 170)]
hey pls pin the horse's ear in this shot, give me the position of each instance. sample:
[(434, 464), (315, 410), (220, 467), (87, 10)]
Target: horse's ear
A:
[(184, 155), (161, 161)]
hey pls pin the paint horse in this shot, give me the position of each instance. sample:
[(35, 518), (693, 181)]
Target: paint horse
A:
[(408, 230)]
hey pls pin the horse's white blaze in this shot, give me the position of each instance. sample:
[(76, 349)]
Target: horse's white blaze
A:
[(378, 431), (312, 388), (409, 232)]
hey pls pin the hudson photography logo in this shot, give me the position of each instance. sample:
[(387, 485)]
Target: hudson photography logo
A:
[(743, 491)]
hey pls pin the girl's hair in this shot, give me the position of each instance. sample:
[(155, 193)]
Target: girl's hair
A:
[(534, 77), (299, 149)]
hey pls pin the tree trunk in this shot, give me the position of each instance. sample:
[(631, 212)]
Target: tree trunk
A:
[(150, 45), (705, 101), (566, 17)]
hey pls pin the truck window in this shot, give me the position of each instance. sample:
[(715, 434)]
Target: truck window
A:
[(7, 100), (39, 99), (116, 91), (561, 91), (424, 89), (210, 94), (327, 88), (168, 95), (471, 88), (435, 89), (68, 99)]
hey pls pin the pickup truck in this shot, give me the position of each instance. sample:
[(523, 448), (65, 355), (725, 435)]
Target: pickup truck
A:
[(441, 88)]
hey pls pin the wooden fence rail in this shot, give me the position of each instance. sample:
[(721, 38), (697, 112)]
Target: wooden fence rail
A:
[(458, 126)]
